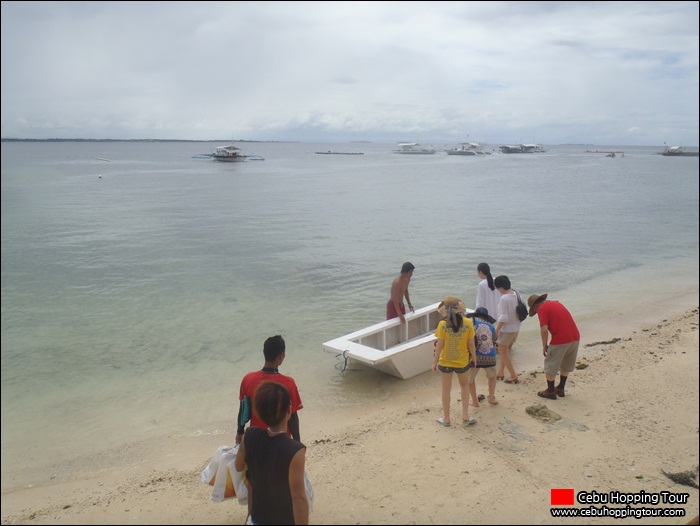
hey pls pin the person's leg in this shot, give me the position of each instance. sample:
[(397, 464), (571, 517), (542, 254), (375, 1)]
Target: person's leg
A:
[(446, 388), (568, 364), (500, 365), (464, 387), (508, 363), (472, 386), (491, 375)]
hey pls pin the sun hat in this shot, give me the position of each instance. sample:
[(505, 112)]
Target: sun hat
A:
[(534, 299), (451, 301), (483, 313)]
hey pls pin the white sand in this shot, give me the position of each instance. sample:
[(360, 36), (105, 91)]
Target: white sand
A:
[(632, 412)]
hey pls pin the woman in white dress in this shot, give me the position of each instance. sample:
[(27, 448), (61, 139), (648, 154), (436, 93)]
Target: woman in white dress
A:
[(487, 295)]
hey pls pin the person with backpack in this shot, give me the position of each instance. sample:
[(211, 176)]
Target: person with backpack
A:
[(485, 343), (507, 328)]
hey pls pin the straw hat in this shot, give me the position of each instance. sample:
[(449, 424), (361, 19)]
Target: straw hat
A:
[(535, 299), (451, 301)]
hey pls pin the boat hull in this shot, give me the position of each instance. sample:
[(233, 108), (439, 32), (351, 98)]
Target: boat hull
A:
[(400, 349)]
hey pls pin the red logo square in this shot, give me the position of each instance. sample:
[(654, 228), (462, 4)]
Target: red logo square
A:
[(562, 496)]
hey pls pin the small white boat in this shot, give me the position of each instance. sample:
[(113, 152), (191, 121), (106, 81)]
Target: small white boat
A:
[(404, 350), (414, 148), (468, 148)]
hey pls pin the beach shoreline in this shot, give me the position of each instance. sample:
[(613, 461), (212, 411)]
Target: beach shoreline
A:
[(630, 413)]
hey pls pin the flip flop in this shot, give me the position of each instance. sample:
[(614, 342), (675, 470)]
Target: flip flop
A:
[(509, 381), (469, 421), (500, 377), (442, 422)]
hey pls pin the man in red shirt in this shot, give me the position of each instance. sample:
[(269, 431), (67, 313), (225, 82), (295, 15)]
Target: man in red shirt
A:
[(560, 354), (274, 351)]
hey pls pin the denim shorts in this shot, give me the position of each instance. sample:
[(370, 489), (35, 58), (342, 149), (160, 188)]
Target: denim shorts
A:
[(458, 370)]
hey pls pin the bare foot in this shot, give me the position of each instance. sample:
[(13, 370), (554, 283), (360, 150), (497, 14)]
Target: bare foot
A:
[(473, 405), (492, 400)]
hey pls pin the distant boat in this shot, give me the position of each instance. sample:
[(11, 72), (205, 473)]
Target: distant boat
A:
[(678, 151), (228, 153), (339, 153), (414, 148), (523, 148), (467, 148)]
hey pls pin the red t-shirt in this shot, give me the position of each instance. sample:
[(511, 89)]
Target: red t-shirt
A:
[(559, 321), (253, 379)]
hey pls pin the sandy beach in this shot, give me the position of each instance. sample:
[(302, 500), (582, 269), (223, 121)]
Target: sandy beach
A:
[(631, 413)]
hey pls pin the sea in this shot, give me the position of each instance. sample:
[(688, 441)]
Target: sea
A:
[(139, 282)]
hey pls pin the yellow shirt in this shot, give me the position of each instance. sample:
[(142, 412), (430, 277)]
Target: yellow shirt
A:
[(455, 351)]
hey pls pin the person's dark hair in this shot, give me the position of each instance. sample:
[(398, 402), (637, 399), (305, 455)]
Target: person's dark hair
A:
[(486, 270), (459, 319), (407, 267), (502, 282), (274, 346), (271, 402)]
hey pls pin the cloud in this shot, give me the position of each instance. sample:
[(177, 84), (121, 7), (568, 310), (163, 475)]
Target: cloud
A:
[(551, 72)]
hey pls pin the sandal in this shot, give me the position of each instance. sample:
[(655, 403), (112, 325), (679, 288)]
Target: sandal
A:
[(500, 377), (469, 421), (442, 422), (515, 381)]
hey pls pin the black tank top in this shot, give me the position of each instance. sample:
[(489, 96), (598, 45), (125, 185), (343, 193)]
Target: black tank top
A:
[(268, 461)]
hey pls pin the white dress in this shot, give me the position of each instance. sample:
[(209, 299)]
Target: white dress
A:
[(487, 298)]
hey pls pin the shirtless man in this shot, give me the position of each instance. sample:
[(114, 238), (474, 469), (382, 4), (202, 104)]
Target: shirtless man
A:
[(399, 290)]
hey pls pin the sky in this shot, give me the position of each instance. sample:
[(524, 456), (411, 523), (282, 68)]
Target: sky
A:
[(606, 73)]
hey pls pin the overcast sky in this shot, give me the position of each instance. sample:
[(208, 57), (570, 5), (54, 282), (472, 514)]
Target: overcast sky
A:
[(622, 73)]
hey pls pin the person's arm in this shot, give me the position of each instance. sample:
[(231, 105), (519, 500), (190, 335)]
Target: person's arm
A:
[(544, 332), (240, 429), (293, 426), (438, 351), (472, 351), (240, 458), (499, 324), (408, 300), (480, 299), (297, 488)]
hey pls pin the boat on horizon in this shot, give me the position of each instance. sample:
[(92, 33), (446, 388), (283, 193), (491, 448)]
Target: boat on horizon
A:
[(229, 153), (678, 151), (467, 148), (414, 148), (522, 148)]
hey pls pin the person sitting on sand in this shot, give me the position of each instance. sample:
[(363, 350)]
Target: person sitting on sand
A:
[(454, 353), (560, 354)]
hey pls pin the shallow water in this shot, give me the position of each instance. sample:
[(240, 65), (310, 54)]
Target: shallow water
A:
[(137, 292)]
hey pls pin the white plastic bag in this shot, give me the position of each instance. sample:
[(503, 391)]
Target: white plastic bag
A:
[(217, 474)]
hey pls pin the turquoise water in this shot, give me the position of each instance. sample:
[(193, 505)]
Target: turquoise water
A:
[(137, 292)]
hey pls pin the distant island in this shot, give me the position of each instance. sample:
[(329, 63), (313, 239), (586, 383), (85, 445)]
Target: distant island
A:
[(134, 140)]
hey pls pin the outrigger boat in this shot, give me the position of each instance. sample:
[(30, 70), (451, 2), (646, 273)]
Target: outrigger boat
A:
[(404, 350)]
